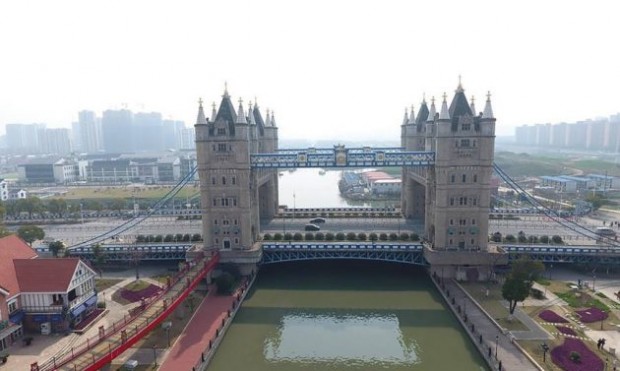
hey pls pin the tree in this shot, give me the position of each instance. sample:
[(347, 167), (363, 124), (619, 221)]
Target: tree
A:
[(117, 204), (57, 206), (556, 239), (30, 233), (496, 237), (99, 256), (31, 205), (56, 247), (519, 282), (225, 283)]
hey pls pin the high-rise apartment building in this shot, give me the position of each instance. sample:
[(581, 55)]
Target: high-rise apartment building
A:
[(55, 141), (23, 138), (148, 132), (87, 132), (117, 129)]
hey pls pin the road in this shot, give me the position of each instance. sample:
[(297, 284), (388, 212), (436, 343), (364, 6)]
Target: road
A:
[(162, 225)]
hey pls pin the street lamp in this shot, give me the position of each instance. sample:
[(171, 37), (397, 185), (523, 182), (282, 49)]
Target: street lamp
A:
[(496, 344), (166, 326), (545, 349)]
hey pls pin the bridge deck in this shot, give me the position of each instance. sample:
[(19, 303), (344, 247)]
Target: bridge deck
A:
[(95, 353)]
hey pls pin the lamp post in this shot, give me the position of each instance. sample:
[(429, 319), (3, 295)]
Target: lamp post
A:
[(166, 326), (496, 345), (545, 349)]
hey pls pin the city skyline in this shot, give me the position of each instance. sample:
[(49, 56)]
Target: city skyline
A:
[(344, 70)]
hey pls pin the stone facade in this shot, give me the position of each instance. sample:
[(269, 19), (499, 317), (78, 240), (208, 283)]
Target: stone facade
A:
[(233, 195)]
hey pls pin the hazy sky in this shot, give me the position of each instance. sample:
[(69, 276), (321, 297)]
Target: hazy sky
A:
[(329, 69)]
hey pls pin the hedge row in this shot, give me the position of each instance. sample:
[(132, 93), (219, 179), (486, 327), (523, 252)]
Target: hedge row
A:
[(169, 238), (340, 236)]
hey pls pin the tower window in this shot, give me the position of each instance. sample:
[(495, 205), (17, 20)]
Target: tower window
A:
[(235, 221), (474, 201), (221, 147), (452, 178), (451, 201), (236, 241), (473, 222), (215, 202), (223, 180), (213, 180), (234, 202), (221, 131), (215, 221), (234, 180), (451, 221), (475, 178), (466, 127), (464, 178), (465, 143)]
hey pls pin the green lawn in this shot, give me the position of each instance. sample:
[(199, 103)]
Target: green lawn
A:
[(104, 283), (492, 304), (132, 286), (105, 193)]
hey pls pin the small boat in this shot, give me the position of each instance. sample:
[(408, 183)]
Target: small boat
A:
[(322, 172)]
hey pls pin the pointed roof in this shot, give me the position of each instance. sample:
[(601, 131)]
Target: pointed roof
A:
[(412, 116), (201, 120), (12, 247), (406, 118), (267, 119), (273, 119), (459, 105), (240, 114), (213, 112), (472, 106), (422, 113), (45, 274), (443, 115), (258, 119), (251, 115), (432, 112), (488, 110), (227, 110)]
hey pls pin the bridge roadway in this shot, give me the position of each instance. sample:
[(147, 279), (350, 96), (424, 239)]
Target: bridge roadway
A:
[(99, 351), (397, 251)]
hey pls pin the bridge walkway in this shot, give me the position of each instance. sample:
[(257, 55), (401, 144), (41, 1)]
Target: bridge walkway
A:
[(95, 353), (496, 345)]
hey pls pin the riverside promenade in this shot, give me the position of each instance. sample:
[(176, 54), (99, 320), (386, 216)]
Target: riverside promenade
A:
[(194, 347), (495, 345)]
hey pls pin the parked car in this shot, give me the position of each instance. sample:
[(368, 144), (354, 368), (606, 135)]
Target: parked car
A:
[(317, 221), (312, 227)]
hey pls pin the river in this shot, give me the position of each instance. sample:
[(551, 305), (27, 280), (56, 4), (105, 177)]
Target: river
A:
[(344, 315), (300, 188)]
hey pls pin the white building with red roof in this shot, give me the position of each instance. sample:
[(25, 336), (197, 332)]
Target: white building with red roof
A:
[(57, 292), (11, 248)]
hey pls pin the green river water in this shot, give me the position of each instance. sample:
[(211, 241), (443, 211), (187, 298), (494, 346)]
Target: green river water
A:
[(344, 315)]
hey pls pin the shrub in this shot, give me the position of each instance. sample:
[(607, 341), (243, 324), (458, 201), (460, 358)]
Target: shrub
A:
[(340, 236), (329, 236), (309, 236), (383, 237), (373, 236), (140, 238), (178, 237), (510, 238), (393, 237), (496, 237), (532, 239), (566, 330), (298, 236), (415, 237), (169, 238), (544, 239), (196, 237), (186, 237), (101, 305), (158, 238), (150, 238), (277, 237), (267, 237), (362, 236), (225, 283), (351, 236), (522, 239), (556, 239), (404, 236), (575, 356), (288, 236), (319, 236)]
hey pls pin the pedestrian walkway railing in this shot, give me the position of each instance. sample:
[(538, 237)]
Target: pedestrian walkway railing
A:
[(93, 354)]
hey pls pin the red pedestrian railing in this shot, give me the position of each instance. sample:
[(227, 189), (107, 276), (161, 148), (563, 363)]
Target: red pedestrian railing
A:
[(143, 322)]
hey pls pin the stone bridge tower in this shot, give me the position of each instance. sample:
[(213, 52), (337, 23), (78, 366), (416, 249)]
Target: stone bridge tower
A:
[(456, 197), (234, 196)]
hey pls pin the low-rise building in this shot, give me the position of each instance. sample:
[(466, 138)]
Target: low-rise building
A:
[(4, 190), (559, 184), (11, 311), (48, 170)]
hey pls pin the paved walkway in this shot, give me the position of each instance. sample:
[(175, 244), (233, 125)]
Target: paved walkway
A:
[(188, 348), (496, 346)]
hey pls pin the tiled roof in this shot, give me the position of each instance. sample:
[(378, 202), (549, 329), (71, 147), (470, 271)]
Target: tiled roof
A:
[(45, 275), (12, 247)]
